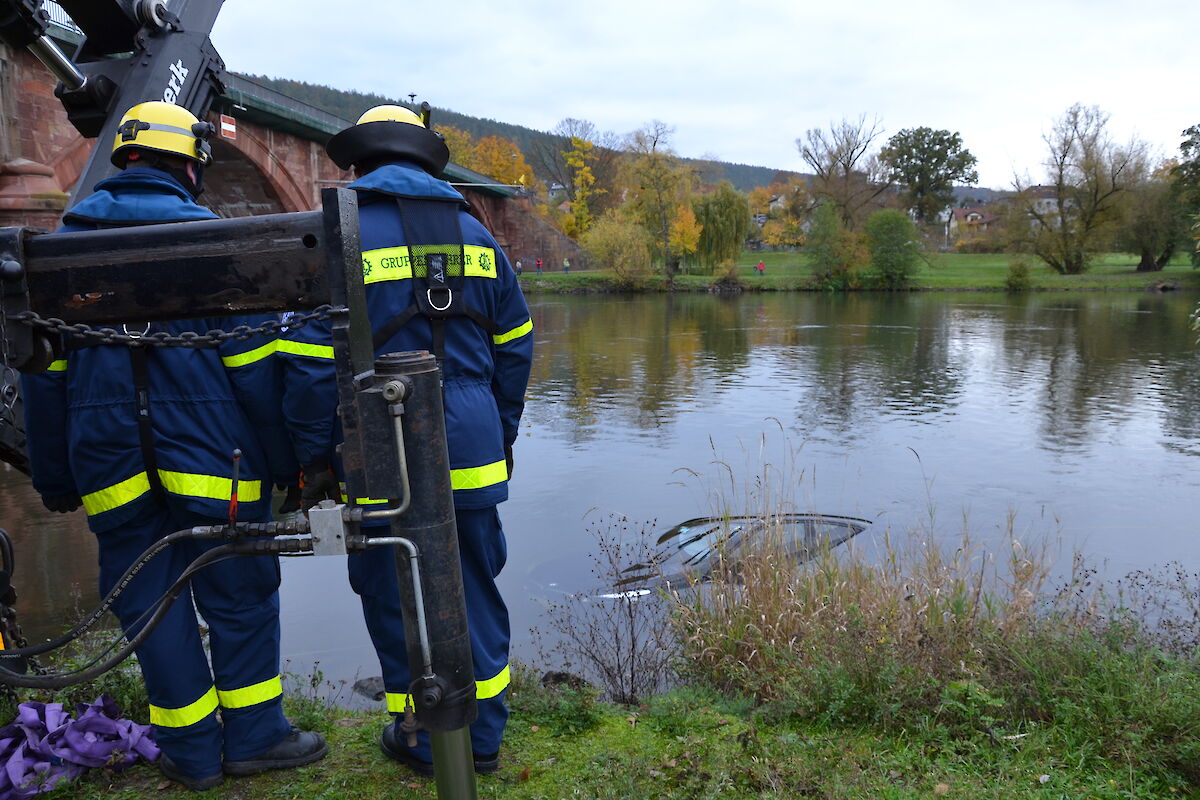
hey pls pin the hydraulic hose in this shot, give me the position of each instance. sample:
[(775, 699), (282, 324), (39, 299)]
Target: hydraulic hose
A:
[(83, 625), (199, 532), (64, 679), (7, 561)]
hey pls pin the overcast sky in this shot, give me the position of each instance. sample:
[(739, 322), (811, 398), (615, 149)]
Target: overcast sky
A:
[(741, 81)]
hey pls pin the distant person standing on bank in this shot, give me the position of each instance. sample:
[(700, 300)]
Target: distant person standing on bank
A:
[(761, 268), (566, 266), (538, 266), (519, 268)]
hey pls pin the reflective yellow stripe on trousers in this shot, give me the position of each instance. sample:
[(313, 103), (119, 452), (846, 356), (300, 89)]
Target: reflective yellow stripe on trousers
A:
[(213, 487), (251, 695), (484, 690), (187, 715)]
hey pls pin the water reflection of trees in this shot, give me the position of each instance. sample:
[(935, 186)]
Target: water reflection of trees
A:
[(853, 363), (1088, 360), (643, 360)]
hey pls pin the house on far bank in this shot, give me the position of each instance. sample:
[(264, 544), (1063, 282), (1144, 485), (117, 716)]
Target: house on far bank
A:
[(969, 223)]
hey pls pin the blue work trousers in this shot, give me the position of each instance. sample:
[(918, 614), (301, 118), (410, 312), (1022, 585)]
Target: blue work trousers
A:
[(483, 551), (239, 601)]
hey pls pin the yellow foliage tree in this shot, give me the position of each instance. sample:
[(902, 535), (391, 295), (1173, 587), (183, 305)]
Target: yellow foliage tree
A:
[(578, 160), (501, 159), (461, 144), (684, 231)]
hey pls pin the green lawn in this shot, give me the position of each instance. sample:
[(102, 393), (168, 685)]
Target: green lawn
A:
[(943, 271)]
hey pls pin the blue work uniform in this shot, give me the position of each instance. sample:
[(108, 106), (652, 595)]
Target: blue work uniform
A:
[(485, 360), (84, 438)]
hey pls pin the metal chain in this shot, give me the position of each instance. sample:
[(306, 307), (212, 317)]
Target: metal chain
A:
[(241, 333), (8, 377)]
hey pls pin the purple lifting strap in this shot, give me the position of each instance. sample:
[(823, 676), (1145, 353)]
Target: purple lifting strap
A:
[(45, 745)]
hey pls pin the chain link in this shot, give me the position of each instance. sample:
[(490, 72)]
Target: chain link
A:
[(213, 338), (8, 377)]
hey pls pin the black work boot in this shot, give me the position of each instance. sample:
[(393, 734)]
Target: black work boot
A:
[(392, 746), (172, 772), (294, 750)]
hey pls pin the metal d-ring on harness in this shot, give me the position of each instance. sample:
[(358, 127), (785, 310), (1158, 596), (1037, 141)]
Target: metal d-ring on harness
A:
[(438, 273)]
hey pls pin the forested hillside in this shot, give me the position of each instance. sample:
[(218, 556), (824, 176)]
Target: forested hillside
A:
[(350, 104)]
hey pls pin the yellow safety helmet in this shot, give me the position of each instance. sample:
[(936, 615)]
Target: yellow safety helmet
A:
[(163, 128), (390, 114), (389, 133)]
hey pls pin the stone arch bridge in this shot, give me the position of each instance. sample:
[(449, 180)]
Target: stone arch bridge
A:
[(273, 162)]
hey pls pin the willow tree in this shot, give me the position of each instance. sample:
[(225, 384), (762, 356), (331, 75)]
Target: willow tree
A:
[(724, 217)]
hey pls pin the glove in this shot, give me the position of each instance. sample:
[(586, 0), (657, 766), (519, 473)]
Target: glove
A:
[(292, 501), (61, 503), (319, 484), (508, 459)]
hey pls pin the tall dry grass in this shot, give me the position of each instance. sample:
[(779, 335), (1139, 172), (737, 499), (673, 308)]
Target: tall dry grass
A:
[(949, 639)]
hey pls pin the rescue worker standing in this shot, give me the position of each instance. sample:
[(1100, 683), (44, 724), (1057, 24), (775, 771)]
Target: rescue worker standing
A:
[(437, 281), (144, 439)]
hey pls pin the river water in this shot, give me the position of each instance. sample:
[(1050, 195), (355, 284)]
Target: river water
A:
[(1078, 415)]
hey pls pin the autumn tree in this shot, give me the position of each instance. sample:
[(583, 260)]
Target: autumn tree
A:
[(1074, 215), (461, 145), (549, 156), (724, 217), (848, 174), (620, 244), (684, 237), (579, 160), (792, 204), (658, 185), (501, 160), (927, 164)]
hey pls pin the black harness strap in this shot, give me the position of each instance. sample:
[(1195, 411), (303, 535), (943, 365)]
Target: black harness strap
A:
[(438, 276), (138, 358), (393, 326)]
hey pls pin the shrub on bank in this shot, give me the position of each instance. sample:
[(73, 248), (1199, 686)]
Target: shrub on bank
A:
[(957, 644)]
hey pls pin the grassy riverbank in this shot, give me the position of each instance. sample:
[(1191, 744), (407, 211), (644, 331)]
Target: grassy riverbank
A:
[(916, 672), (949, 271), (698, 744)]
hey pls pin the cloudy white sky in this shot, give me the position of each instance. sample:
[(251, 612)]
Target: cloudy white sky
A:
[(742, 80)]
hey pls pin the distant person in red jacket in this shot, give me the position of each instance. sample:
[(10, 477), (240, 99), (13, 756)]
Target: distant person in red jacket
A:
[(761, 269), (538, 265)]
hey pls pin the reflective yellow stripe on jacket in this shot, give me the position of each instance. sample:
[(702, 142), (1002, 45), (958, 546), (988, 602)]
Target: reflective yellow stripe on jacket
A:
[(251, 695), (392, 263), (515, 333), (188, 484), (479, 477), (57, 366), (187, 715), (484, 690)]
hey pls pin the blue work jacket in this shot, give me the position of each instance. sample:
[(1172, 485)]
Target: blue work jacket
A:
[(82, 415), (484, 372)]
